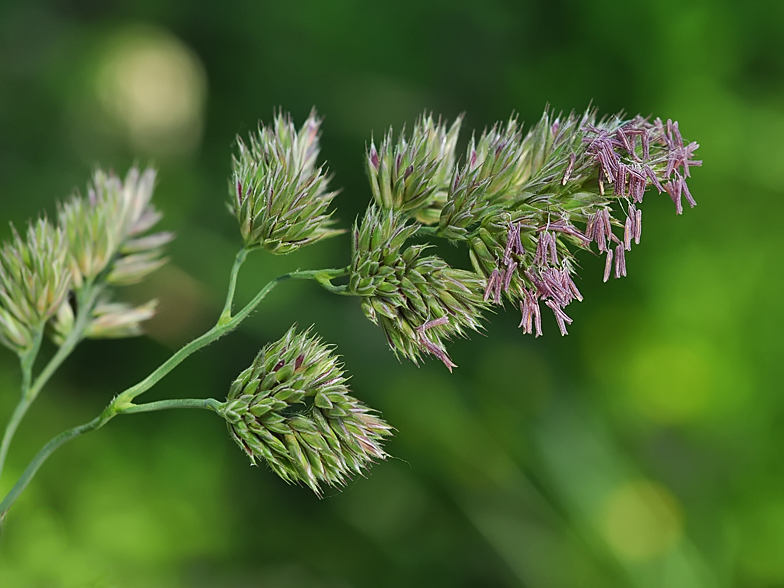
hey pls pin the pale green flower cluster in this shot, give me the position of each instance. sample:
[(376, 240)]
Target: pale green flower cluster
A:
[(292, 408), (34, 281), (521, 203), (278, 195), (99, 240)]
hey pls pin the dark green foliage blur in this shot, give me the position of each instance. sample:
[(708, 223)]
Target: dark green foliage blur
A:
[(645, 449)]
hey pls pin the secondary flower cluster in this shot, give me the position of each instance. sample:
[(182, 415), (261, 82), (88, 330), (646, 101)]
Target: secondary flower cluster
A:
[(292, 409), (418, 300), (522, 204), (277, 193), (99, 240), (109, 245), (34, 281)]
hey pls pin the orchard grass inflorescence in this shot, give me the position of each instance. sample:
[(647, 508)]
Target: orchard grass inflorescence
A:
[(521, 203)]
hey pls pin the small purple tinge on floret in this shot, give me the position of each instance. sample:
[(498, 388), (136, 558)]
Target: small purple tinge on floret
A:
[(373, 157)]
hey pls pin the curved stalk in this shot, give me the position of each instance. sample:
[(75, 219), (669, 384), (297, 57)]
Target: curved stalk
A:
[(108, 414), (126, 398), (235, 270), (26, 361), (123, 403), (85, 303), (16, 417), (222, 328), (205, 403), (428, 231), (31, 389)]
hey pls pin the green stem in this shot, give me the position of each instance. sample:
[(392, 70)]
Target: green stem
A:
[(125, 399), (425, 231), (40, 458), (205, 403), (27, 359), (235, 270), (108, 414), (10, 429), (325, 277), (221, 329), (123, 403), (31, 389), (85, 302)]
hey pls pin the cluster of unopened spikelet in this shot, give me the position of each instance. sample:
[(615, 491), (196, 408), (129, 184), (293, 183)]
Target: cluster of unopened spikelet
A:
[(97, 242), (521, 203)]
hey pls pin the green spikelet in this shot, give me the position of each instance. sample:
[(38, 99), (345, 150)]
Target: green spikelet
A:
[(106, 230), (412, 175), (278, 195), (292, 409), (34, 281), (418, 300), (108, 243)]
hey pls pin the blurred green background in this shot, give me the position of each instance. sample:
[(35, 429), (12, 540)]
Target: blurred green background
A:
[(643, 450)]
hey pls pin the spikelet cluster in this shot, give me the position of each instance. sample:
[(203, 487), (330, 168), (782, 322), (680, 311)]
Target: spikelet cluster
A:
[(523, 203), (412, 175), (278, 194), (34, 280), (106, 229), (292, 409), (109, 244), (109, 320), (555, 199), (418, 300)]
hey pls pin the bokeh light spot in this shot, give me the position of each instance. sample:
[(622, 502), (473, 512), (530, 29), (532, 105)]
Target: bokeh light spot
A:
[(671, 382), (153, 88), (641, 520), (762, 546)]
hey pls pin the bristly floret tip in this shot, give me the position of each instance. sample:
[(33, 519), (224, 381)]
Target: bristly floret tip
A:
[(34, 281), (292, 409), (411, 175), (278, 194), (418, 300)]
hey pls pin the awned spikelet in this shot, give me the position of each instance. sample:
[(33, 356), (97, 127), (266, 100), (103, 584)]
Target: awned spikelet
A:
[(277, 193), (34, 281), (493, 170), (292, 409), (412, 175), (106, 229), (524, 204), (418, 300), (109, 244)]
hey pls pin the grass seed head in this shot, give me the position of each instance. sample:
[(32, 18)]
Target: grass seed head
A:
[(277, 193), (34, 281), (292, 409)]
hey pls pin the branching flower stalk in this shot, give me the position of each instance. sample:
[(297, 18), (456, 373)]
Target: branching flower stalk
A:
[(522, 204)]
